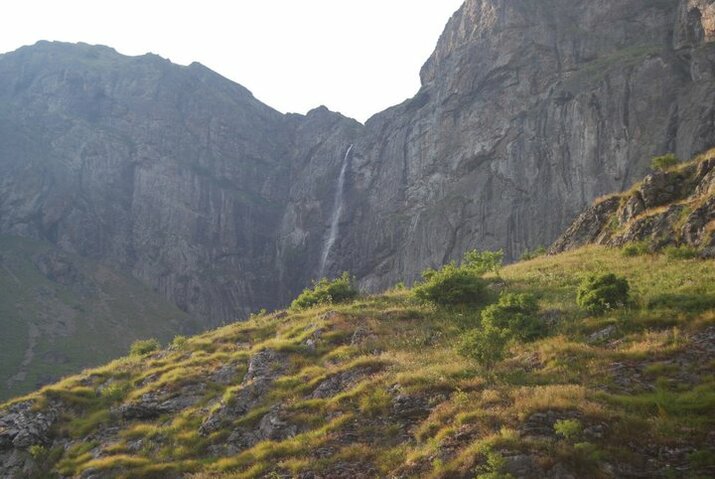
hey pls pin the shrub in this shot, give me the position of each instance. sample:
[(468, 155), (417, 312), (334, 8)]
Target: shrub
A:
[(38, 452), (680, 252), (325, 291), (598, 293), (535, 253), (451, 285), (494, 467), (637, 248), (375, 403), (144, 346), (569, 429), (480, 262), (114, 392), (178, 343), (516, 313), (662, 163), (487, 346)]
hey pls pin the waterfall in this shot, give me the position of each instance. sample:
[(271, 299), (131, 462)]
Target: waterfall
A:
[(337, 211)]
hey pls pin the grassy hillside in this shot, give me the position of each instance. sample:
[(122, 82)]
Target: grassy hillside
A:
[(377, 388), (60, 313)]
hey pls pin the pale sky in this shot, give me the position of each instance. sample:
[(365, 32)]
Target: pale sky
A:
[(357, 57)]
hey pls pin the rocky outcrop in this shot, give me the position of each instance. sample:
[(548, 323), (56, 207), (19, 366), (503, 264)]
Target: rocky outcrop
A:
[(674, 207), (20, 428), (155, 404), (528, 111), (591, 225), (338, 383), (263, 368)]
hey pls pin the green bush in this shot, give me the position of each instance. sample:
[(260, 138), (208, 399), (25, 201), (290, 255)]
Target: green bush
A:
[(494, 466), (144, 346), (637, 248), (517, 313), (115, 392), (680, 252), (569, 429), (451, 285), (487, 345), (480, 262), (326, 291), (462, 284), (38, 452), (178, 343), (535, 253), (662, 163), (598, 293)]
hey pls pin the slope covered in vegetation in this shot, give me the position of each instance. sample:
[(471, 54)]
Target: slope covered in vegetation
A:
[(382, 387), (60, 313)]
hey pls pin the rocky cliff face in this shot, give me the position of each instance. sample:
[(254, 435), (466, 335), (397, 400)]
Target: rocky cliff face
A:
[(528, 111), (173, 173)]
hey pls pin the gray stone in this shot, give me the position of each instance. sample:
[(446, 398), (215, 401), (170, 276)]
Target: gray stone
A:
[(21, 427), (410, 407), (275, 427), (602, 335), (520, 465), (226, 374), (337, 383), (149, 406), (633, 206)]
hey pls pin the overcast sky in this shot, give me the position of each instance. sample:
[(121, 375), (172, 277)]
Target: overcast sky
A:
[(354, 56)]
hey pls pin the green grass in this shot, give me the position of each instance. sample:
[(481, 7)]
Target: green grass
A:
[(410, 349)]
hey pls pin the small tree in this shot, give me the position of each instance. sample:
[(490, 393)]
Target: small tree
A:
[(517, 313), (481, 262), (450, 285), (487, 346), (665, 162), (141, 347), (598, 293), (569, 429)]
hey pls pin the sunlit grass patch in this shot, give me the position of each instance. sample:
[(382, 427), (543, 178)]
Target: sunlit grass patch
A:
[(528, 400), (271, 450)]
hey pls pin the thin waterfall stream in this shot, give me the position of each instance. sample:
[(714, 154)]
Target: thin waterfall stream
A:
[(337, 212)]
